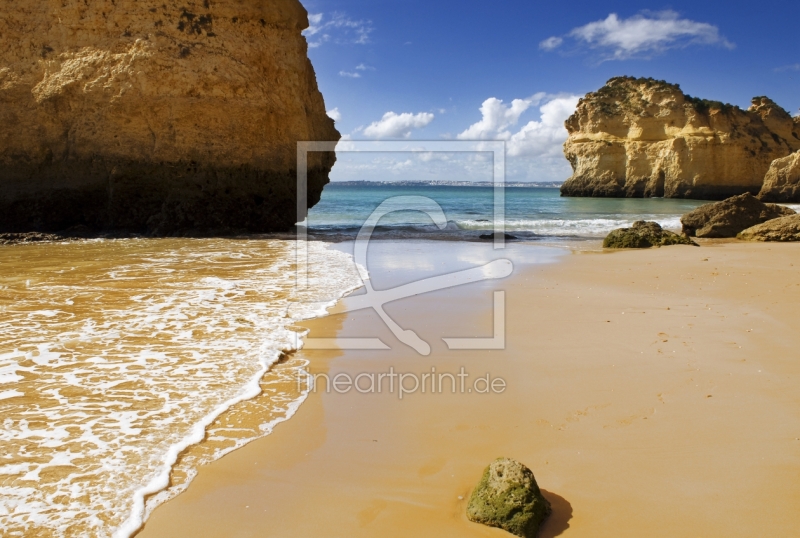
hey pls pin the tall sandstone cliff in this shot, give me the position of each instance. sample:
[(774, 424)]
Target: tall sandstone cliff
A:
[(644, 137), (156, 115)]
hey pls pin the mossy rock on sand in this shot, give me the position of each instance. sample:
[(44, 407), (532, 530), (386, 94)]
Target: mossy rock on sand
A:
[(644, 234), (783, 229), (508, 497)]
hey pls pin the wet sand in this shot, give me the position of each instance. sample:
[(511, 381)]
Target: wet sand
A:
[(652, 393)]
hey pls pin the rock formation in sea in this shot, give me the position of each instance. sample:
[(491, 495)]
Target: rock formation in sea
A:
[(644, 234), (729, 217), (508, 497), (156, 115), (782, 229), (644, 137), (782, 182)]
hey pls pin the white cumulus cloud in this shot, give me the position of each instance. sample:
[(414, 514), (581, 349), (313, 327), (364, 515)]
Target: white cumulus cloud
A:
[(497, 117), (334, 114), (535, 149), (551, 43), (393, 125), (641, 35), (547, 135), (532, 127), (356, 73), (544, 136), (338, 28), (314, 21)]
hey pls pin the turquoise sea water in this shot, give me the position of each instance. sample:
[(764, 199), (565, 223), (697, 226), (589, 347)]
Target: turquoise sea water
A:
[(530, 213)]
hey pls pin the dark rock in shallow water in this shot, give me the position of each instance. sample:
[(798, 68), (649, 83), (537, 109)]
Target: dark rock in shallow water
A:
[(783, 229), (491, 236), (74, 233), (508, 497), (30, 237), (729, 217), (644, 234)]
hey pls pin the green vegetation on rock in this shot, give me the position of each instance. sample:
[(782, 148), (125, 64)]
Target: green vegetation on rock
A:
[(704, 106), (508, 497), (782, 229), (644, 234)]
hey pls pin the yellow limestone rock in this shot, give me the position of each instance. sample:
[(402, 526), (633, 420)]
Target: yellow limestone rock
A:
[(782, 182), (156, 115), (783, 229), (645, 137)]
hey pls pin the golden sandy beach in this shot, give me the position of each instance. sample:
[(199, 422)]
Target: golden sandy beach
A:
[(652, 393)]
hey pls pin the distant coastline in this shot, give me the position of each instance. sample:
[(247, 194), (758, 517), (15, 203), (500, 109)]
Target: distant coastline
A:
[(524, 184)]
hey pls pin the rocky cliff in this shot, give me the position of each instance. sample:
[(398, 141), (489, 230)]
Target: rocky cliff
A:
[(645, 137), (782, 182), (156, 115)]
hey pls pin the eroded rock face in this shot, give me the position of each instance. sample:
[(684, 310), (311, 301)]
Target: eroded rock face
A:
[(643, 137), (731, 216), (644, 234), (782, 229), (782, 182), (508, 497), (156, 115)]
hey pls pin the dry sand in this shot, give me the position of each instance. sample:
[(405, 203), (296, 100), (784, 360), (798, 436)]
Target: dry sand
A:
[(653, 393)]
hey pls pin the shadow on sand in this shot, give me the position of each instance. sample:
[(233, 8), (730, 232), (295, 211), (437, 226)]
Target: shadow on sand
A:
[(558, 521)]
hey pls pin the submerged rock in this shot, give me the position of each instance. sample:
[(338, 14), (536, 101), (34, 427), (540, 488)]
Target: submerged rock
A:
[(71, 234), (731, 216), (508, 497), (644, 234), (156, 115), (491, 236), (782, 182), (30, 237), (782, 229), (645, 137)]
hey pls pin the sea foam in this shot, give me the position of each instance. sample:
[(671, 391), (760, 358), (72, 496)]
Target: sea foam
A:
[(127, 364), (562, 227)]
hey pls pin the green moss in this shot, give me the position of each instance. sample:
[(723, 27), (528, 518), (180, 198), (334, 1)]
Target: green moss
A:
[(644, 235), (623, 238), (516, 505), (704, 106), (647, 82), (622, 93)]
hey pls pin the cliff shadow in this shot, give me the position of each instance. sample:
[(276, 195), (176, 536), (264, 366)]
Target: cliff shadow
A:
[(558, 521)]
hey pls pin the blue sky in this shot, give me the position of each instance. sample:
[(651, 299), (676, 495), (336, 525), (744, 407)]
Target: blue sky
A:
[(508, 69)]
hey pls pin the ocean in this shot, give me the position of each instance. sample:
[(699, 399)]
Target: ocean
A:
[(531, 214), (125, 364)]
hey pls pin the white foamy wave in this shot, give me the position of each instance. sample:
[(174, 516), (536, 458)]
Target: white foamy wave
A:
[(8, 368), (572, 227), (113, 366)]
